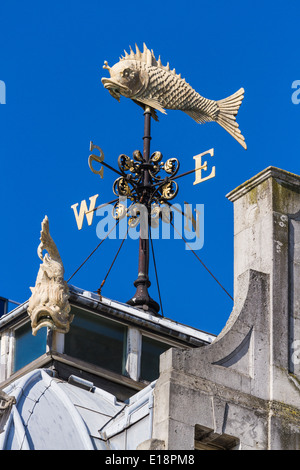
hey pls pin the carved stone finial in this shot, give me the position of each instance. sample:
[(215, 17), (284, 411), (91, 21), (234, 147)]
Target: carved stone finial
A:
[(49, 303)]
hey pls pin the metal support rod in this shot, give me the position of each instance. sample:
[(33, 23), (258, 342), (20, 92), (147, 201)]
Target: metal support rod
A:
[(111, 168), (142, 298), (147, 140)]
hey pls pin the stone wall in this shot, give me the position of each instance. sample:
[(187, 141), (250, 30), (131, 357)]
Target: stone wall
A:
[(243, 390)]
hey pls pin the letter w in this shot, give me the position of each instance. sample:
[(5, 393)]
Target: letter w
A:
[(84, 211)]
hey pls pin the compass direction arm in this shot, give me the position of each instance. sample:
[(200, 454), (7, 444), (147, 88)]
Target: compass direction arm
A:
[(103, 205), (99, 159), (112, 169), (199, 167), (84, 211), (185, 174)]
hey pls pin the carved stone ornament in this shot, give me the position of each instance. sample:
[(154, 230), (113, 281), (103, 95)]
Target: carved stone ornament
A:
[(6, 401), (49, 304)]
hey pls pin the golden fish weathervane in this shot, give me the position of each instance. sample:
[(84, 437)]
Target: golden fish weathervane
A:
[(143, 79)]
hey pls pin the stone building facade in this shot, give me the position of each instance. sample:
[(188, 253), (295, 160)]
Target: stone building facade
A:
[(243, 390)]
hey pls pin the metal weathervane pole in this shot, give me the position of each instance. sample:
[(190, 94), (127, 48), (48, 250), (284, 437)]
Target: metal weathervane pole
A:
[(140, 182), (142, 297)]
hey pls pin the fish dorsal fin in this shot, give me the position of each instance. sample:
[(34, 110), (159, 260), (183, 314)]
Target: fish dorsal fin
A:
[(148, 58)]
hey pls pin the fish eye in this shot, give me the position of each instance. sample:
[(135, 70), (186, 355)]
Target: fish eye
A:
[(126, 73)]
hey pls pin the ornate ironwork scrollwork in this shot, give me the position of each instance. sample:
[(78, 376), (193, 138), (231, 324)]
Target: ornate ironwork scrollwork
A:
[(158, 212), (171, 166), (156, 157), (153, 196), (155, 165), (137, 156), (169, 190), (127, 164), (119, 211), (121, 187)]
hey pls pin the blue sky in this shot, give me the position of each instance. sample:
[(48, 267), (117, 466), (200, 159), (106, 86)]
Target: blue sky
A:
[(51, 62)]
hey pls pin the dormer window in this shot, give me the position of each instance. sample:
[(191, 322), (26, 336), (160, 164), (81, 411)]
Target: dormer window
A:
[(97, 340), (28, 347)]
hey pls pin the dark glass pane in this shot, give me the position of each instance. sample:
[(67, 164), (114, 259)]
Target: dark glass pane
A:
[(151, 350), (96, 340), (3, 306), (28, 347)]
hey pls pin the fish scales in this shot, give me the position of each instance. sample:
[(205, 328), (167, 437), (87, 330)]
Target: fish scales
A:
[(173, 92), (142, 78)]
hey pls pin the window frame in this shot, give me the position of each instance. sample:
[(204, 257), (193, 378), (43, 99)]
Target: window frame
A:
[(55, 345), (108, 319), (25, 321), (157, 339)]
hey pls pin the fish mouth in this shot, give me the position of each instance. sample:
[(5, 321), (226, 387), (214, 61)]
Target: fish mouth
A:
[(114, 87), (43, 317)]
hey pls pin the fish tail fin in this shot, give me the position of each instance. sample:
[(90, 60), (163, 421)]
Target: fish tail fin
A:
[(228, 109)]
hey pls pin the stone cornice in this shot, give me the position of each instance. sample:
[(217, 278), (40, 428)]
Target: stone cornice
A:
[(281, 176)]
